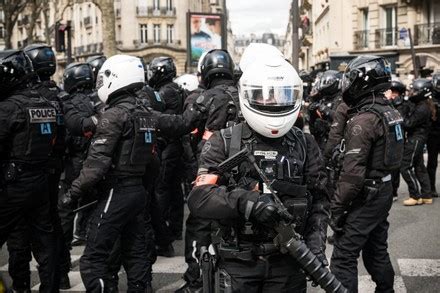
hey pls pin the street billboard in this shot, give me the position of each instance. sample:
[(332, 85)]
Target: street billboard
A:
[(204, 32)]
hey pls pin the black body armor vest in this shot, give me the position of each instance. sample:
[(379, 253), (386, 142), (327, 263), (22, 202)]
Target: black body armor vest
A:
[(34, 143), (135, 149), (387, 152), (283, 161)]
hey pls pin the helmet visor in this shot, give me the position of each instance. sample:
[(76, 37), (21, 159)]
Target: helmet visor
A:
[(271, 98)]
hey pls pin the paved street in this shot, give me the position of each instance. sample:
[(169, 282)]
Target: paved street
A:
[(414, 245)]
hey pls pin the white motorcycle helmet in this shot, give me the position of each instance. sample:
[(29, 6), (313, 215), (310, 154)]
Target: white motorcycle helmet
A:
[(119, 73), (189, 82), (258, 51), (270, 93)]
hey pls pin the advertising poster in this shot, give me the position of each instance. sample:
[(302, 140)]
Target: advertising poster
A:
[(205, 32)]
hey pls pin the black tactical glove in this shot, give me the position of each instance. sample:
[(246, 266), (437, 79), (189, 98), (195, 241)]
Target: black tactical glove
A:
[(265, 211), (337, 219), (67, 200)]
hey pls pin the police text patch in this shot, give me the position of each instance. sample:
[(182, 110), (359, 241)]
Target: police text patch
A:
[(43, 115)]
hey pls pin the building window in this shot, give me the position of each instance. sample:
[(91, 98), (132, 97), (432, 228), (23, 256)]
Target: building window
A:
[(156, 4), (388, 37), (364, 14), (156, 29), (170, 33), (169, 5), (2, 32), (144, 33)]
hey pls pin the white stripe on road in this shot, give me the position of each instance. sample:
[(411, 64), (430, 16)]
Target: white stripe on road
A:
[(171, 287), (366, 285), (170, 265), (419, 267), (33, 265)]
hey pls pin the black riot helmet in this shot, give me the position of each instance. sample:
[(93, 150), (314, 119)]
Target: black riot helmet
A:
[(96, 63), (216, 63), (420, 90), (398, 86), (43, 60), (15, 70), (329, 83), (436, 83), (365, 75), (161, 70), (78, 76)]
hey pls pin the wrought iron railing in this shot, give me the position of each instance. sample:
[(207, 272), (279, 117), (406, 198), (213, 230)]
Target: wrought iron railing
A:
[(427, 34), (386, 37), (361, 39)]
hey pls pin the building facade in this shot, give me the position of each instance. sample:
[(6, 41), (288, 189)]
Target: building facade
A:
[(341, 30), (241, 42), (145, 28)]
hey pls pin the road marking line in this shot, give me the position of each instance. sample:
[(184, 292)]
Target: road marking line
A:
[(173, 265), (419, 267), (171, 287), (366, 284)]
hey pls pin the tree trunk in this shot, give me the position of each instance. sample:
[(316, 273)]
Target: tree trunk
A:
[(11, 9), (108, 26)]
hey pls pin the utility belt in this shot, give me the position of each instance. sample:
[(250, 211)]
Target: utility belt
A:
[(11, 170), (377, 181), (372, 187), (112, 181), (247, 252)]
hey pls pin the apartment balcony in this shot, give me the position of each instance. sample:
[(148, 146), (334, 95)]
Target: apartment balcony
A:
[(386, 37), (427, 34), (143, 11), (361, 39), (87, 22)]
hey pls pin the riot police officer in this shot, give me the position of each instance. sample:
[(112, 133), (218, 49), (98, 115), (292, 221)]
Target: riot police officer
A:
[(27, 137), (363, 196), (221, 100), (44, 64), (321, 111), (96, 63), (433, 142), (244, 211), (81, 118), (396, 95), (168, 197), (417, 123)]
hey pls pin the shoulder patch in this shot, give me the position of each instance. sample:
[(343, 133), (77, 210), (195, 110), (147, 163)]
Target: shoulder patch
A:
[(356, 130), (206, 147)]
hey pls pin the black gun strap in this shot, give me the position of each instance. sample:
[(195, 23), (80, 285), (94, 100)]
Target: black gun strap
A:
[(235, 145)]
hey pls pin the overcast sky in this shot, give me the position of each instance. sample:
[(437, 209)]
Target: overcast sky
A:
[(258, 16)]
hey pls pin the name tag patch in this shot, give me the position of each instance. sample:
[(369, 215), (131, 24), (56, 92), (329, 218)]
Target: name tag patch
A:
[(266, 154), (44, 115)]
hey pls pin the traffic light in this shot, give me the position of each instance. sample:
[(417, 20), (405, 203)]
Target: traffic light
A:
[(60, 38)]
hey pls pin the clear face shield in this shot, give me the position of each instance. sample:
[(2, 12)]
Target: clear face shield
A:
[(276, 99)]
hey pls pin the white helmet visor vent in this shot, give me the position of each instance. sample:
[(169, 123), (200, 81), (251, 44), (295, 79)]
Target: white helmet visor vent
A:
[(99, 80), (271, 99)]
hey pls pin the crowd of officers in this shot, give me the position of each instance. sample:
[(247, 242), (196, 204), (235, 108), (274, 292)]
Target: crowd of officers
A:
[(110, 160)]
